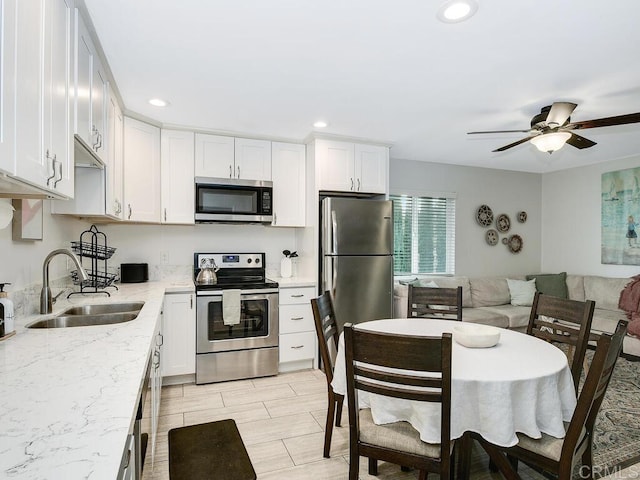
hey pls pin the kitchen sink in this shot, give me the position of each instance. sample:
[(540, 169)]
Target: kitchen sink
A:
[(87, 315), (103, 308)]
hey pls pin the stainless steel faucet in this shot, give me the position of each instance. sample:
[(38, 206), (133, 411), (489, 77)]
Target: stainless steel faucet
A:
[(46, 302)]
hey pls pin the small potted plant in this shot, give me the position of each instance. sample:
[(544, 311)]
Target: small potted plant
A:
[(285, 263)]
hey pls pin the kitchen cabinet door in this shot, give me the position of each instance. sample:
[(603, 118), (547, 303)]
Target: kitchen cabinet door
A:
[(289, 184), (371, 168), (57, 105), (141, 171), (335, 165), (156, 386), (298, 344), (252, 159), (7, 86), (179, 332), (83, 76), (114, 163), (177, 177), (214, 156), (98, 106)]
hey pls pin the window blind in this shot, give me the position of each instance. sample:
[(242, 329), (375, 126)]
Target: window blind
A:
[(424, 234)]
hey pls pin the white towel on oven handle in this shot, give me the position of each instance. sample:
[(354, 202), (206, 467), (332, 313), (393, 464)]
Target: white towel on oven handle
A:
[(231, 307)]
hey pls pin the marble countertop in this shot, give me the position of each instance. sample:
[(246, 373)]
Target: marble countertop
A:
[(294, 281), (68, 396)]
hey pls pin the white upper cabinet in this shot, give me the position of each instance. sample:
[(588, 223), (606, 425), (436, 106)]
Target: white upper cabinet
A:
[(288, 175), (177, 174), (227, 157), (91, 92), (214, 156), (115, 158), (43, 78), (7, 85), (252, 159), (349, 167), (141, 171)]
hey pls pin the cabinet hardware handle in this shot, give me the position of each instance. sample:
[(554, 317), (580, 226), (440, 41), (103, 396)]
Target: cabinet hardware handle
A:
[(275, 218), (53, 166), (126, 465), (161, 337), (99, 145), (358, 184), (297, 295), (230, 171), (297, 318), (165, 214), (351, 183), (238, 172), (94, 131), (55, 183), (191, 302), (297, 347), (129, 217)]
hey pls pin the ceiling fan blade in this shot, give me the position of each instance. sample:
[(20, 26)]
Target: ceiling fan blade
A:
[(500, 131), (560, 112), (580, 142), (604, 122), (522, 140)]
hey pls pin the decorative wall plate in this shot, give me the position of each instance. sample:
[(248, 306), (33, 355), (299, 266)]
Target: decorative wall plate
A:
[(515, 243), (484, 216), (503, 223), (491, 237), (522, 217)]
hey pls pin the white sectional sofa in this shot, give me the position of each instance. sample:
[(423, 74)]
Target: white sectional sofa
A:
[(487, 300)]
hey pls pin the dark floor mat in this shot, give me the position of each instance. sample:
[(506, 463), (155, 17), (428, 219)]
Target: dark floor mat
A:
[(212, 451)]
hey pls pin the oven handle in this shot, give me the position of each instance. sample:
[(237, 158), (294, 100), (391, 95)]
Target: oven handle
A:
[(218, 293)]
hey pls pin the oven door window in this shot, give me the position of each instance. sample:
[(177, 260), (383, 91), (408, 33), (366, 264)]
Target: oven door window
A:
[(254, 321), (227, 200)]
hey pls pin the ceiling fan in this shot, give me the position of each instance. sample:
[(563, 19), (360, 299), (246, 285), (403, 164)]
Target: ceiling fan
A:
[(551, 128)]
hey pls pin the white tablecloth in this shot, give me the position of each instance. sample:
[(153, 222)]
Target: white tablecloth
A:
[(522, 384)]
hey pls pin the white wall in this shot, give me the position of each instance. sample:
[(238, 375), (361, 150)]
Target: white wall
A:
[(504, 191), (571, 208), (21, 261)]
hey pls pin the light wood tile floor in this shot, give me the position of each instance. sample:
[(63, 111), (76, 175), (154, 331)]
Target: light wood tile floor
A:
[(281, 421)]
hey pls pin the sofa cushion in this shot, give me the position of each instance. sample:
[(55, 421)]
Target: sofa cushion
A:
[(521, 291), (488, 291), (606, 320), (517, 317), (484, 316), (575, 287), (604, 291), (554, 284)]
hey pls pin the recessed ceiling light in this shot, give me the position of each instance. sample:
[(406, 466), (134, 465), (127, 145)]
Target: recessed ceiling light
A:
[(320, 124), (453, 11), (158, 102)]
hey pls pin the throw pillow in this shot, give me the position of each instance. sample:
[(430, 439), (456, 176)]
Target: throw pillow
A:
[(554, 284), (423, 283), (522, 292), (634, 325)]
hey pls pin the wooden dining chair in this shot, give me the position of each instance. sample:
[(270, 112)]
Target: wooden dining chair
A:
[(327, 331), (564, 321), (558, 456), (441, 303), (369, 357)]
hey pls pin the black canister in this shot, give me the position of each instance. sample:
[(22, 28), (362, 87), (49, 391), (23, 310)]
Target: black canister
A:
[(134, 272)]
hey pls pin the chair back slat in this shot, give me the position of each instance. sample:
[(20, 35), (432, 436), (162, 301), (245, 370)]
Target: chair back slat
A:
[(428, 302), (564, 321), (327, 331)]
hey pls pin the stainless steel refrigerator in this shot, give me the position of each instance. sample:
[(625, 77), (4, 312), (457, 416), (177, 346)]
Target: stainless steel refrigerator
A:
[(357, 257)]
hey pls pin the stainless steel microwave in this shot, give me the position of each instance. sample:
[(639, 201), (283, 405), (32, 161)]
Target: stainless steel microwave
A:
[(232, 200)]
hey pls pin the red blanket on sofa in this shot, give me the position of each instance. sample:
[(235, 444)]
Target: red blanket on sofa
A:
[(630, 303)]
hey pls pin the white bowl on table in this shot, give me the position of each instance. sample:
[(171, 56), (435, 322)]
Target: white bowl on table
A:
[(473, 335)]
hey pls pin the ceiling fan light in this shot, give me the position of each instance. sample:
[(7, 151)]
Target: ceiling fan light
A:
[(550, 142)]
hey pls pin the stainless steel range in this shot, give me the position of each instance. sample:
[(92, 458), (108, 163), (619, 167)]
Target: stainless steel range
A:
[(238, 337)]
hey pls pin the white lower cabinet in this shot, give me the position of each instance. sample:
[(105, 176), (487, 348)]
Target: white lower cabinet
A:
[(179, 330), (156, 387), (298, 345)]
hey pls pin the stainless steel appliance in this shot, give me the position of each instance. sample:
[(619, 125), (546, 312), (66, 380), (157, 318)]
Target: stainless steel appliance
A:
[(232, 200), (357, 257), (249, 348)]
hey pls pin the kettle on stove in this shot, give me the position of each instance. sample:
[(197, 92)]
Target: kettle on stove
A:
[(207, 274)]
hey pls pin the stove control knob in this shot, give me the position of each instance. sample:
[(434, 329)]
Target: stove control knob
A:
[(249, 260), (257, 260)]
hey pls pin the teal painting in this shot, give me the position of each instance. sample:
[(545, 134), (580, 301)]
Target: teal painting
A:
[(621, 217)]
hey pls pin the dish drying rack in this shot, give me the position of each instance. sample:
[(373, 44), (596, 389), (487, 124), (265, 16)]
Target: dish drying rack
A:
[(93, 246)]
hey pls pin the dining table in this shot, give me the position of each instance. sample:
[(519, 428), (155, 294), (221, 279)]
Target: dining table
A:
[(521, 385)]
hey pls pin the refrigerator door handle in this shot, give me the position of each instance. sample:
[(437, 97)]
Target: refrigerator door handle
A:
[(334, 232), (329, 275)]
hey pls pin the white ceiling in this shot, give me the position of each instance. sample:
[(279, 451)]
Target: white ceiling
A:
[(384, 70)]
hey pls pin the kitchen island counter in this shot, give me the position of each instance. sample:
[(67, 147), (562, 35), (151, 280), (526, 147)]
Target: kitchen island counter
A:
[(70, 395)]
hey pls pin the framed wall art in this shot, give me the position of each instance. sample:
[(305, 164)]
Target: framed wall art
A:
[(620, 217)]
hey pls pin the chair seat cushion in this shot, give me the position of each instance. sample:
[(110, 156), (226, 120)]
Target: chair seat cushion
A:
[(399, 436), (547, 446)]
